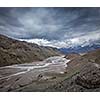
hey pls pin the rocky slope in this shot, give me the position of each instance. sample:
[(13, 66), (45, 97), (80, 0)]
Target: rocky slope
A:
[(82, 74), (16, 52)]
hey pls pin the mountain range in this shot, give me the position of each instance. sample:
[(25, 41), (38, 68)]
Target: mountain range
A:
[(81, 74), (16, 52), (81, 48)]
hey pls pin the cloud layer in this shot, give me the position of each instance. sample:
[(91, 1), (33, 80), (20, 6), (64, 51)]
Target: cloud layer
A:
[(57, 27), (68, 43)]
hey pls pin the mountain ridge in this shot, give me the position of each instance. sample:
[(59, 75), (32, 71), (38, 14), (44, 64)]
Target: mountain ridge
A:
[(16, 52), (80, 48)]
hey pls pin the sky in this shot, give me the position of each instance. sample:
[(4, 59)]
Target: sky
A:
[(56, 27)]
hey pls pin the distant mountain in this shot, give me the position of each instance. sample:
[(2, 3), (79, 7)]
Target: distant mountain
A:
[(15, 52), (81, 48)]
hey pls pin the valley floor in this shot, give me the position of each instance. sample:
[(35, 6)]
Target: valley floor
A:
[(34, 76), (70, 73)]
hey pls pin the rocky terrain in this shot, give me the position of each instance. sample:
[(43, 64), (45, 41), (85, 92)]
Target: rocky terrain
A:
[(16, 52), (82, 74), (35, 76), (71, 73)]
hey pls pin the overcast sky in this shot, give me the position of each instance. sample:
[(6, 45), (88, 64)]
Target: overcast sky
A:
[(57, 27)]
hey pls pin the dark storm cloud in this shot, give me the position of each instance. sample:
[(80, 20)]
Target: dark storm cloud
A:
[(49, 23)]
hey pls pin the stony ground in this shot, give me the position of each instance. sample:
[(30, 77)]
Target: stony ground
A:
[(34, 76), (56, 74)]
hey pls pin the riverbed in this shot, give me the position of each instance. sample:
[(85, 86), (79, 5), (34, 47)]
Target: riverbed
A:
[(19, 75)]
